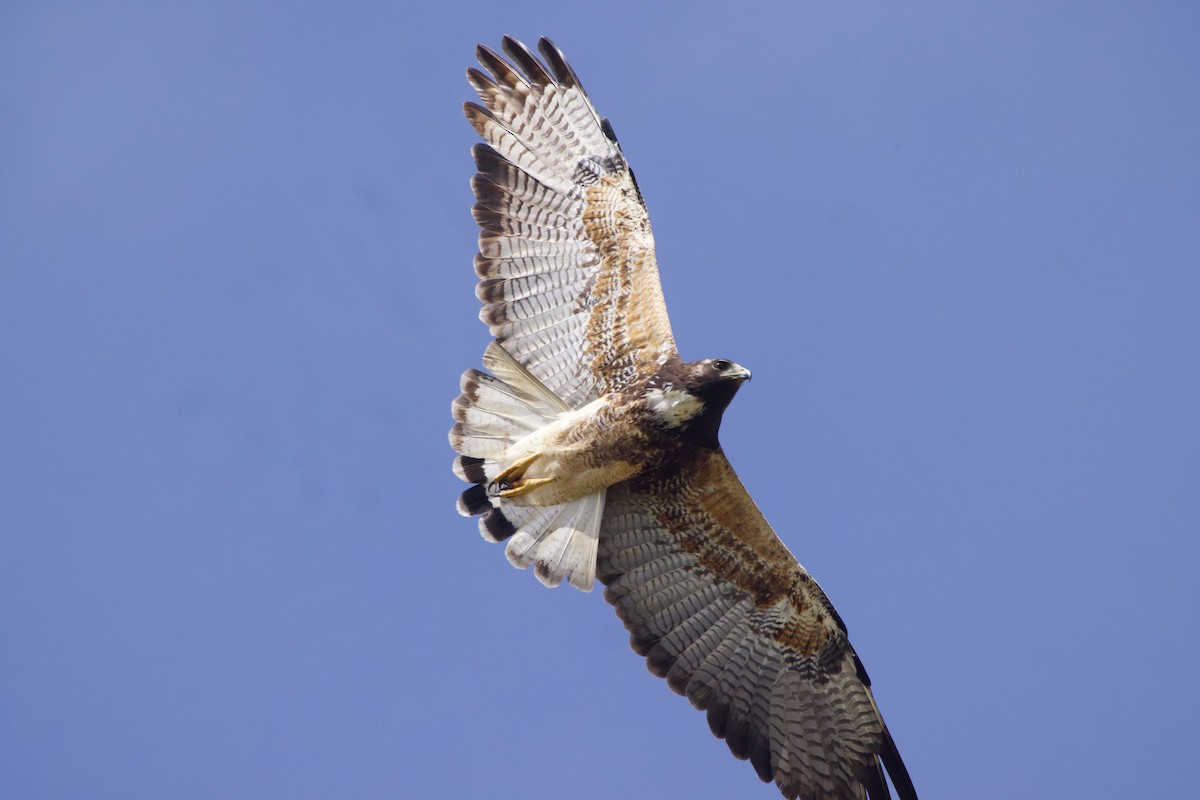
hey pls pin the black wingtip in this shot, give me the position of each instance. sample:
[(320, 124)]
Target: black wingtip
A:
[(876, 784), (490, 60), (558, 64), (486, 157), (760, 754), (718, 718), (477, 115), (478, 78), (737, 735), (896, 769), (607, 127), (526, 61)]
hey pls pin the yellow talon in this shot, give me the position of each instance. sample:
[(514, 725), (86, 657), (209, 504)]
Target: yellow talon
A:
[(515, 471), (512, 482)]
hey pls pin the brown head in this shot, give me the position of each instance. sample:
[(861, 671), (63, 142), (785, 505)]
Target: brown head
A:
[(690, 398)]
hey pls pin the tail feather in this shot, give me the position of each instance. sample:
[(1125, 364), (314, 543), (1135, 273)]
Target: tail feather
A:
[(492, 413), (565, 547), (474, 501), (472, 470), (503, 414), (522, 382)]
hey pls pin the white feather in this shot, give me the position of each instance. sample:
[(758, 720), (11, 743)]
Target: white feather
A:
[(673, 407), (494, 413), (563, 545)]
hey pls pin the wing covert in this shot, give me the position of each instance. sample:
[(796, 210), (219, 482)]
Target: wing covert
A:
[(568, 277), (720, 608)]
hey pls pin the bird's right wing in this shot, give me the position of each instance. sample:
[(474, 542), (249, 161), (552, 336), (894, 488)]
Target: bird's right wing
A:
[(568, 276)]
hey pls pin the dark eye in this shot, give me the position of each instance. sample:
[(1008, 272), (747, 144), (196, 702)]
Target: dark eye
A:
[(720, 365)]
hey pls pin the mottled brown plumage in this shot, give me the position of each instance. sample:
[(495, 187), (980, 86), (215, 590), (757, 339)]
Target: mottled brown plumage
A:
[(592, 448)]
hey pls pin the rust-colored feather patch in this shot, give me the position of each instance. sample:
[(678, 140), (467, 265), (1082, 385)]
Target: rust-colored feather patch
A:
[(628, 331)]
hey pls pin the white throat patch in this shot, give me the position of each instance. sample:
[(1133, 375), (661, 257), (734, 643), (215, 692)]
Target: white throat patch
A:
[(673, 407)]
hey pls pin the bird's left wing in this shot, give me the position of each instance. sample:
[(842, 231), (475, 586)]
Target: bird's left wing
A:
[(720, 608), (566, 263)]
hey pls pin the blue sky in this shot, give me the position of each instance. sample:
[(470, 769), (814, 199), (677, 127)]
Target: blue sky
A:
[(958, 245)]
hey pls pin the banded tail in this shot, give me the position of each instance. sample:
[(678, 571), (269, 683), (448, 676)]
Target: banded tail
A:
[(493, 412)]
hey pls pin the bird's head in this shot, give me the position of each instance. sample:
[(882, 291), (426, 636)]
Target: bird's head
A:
[(718, 371), (692, 397)]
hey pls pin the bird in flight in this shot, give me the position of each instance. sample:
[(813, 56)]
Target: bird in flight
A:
[(592, 452)]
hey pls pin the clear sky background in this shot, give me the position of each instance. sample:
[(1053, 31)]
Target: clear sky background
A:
[(958, 245)]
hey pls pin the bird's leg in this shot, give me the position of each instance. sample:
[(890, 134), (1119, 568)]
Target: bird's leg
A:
[(512, 481)]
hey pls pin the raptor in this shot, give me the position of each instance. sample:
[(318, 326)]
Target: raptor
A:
[(592, 447)]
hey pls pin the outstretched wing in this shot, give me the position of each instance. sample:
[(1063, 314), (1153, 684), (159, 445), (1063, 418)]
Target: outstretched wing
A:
[(721, 609), (568, 278)]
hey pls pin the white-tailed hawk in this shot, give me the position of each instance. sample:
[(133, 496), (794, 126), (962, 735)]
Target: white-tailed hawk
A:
[(592, 450)]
